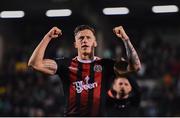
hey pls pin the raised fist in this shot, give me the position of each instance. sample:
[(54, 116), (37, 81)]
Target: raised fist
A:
[(54, 32), (119, 31)]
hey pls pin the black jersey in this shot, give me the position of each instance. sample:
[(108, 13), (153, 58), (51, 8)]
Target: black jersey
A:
[(125, 107)]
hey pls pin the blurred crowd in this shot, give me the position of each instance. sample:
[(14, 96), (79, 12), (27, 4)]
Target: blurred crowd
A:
[(24, 92), (30, 94)]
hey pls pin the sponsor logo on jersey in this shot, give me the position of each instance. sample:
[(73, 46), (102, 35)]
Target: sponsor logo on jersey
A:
[(80, 85)]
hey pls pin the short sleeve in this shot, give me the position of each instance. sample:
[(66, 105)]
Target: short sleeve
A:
[(63, 64)]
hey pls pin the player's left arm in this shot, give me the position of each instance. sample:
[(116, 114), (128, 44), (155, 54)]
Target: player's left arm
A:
[(134, 63)]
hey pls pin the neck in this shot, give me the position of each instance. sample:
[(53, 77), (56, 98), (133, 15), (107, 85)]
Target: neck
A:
[(86, 56)]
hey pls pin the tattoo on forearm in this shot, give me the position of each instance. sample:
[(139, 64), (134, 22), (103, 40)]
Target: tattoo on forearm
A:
[(132, 54)]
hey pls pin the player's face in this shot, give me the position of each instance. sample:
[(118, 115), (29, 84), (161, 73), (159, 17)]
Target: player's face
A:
[(85, 41), (122, 86)]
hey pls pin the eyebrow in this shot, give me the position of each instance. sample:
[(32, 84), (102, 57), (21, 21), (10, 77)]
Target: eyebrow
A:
[(84, 36)]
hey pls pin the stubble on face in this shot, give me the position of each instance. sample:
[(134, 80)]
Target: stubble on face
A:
[(85, 43)]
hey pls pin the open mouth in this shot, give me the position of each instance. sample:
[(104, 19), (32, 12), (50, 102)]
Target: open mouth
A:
[(122, 92), (84, 46)]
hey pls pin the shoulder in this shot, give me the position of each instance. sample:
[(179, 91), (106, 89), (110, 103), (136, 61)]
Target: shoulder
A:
[(108, 61), (103, 59), (63, 60)]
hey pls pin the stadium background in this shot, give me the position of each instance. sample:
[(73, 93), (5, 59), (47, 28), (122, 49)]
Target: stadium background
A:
[(155, 36)]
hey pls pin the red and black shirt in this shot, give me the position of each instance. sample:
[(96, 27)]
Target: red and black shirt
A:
[(85, 84)]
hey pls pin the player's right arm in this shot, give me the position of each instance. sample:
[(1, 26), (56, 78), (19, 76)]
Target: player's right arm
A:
[(37, 60)]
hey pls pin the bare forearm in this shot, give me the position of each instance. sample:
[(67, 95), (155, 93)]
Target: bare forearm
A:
[(133, 59), (132, 56), (37, 61), (38, 53)]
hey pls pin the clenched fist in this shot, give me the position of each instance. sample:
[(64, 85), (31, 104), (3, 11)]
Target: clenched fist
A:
[(119, 31), (54, 33)]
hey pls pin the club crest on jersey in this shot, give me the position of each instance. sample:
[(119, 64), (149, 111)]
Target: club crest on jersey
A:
[(97, 68), (80, 85)]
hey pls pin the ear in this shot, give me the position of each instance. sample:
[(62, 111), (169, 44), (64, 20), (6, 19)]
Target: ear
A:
[(75, 45), (95, 44)]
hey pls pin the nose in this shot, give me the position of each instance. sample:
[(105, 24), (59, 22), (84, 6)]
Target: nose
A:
[(121, 85), (84, 40)]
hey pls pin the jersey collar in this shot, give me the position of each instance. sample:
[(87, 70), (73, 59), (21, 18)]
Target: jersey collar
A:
[(86, 61)]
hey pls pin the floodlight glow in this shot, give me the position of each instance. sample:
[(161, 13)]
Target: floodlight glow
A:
[(12, 14), (116, 11), (165, 9), (58, 13)]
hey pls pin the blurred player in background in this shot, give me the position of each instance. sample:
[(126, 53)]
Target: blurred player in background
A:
[(85, 77), (123, 98)]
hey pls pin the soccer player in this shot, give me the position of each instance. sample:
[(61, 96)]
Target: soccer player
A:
[(85, 77)]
